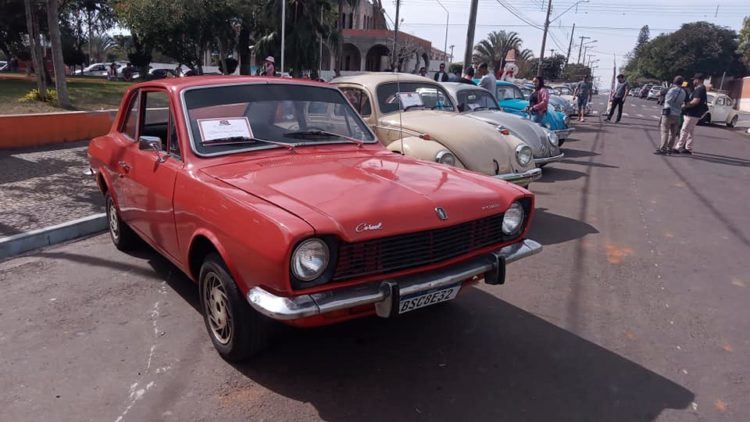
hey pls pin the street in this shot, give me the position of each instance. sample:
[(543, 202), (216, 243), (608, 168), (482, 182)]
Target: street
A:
[(636, 310)]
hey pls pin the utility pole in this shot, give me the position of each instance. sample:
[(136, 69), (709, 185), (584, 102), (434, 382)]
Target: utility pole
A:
[(552, 52), (544, 37), (581, 48), (451, 47), (395, 38), (470, 32), (283, 32), (570, 45)]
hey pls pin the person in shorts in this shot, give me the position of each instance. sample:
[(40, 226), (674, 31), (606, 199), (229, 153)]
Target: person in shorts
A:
[(583, 96)]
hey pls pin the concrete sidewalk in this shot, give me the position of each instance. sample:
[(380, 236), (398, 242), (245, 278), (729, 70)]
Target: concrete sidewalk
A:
[(43, 187)]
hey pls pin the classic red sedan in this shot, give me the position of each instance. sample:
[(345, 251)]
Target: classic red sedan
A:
[(277, 199)]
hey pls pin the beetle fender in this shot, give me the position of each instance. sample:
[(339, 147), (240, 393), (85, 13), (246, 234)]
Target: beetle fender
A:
[(420, 149)]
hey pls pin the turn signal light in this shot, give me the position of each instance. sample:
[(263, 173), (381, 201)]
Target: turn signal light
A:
[(426, 136)]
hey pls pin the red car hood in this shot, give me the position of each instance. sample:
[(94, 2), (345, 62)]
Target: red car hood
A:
[(362, 194)]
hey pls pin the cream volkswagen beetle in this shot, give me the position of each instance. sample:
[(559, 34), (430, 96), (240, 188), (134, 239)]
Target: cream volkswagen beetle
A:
[(415, 116)]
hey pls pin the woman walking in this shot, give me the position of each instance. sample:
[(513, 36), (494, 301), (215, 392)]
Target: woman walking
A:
[(539, 101)]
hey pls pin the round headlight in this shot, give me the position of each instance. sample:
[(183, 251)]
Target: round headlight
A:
[(310, 259), (513, 219), (552, 138), (445, 157), (566, 120), (524, 154)]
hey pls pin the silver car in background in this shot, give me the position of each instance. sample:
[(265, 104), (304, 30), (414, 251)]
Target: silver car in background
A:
[(478, 103)]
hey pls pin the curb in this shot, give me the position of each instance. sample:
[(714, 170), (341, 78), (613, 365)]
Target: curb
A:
[(39, 238)]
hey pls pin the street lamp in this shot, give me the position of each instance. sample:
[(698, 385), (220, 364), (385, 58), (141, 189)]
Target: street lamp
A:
[(447, 22)]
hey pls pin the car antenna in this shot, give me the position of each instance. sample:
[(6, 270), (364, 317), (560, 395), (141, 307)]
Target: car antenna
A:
[(400, 110)]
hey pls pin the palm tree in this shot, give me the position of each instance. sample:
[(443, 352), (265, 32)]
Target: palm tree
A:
[(495, 47), (98, 46)]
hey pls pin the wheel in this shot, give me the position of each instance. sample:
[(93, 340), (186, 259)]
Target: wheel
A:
[(560, 142), (733, 122), (236, 330), (705, 120), (121, 234)]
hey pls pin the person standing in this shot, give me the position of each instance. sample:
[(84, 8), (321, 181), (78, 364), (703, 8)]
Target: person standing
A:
[(422, 71), (441, 76), (487, 80), (468, 76), (583, 94), (670, 116), (618, 98), (694, 110), (538, 101), (269, 67)]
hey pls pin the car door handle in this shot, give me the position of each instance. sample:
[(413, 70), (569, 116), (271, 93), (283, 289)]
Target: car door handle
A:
[(125, 167)]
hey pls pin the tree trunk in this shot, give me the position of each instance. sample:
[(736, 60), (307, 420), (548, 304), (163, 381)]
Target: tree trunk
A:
[(36, 57), (243, 47), (222, 56), (340, 51), (57, 56), (91, 35)]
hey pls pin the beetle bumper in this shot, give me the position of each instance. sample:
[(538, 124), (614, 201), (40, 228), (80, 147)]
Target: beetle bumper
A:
[(385, 293), (547, 160), (563, 133), (522, 179)]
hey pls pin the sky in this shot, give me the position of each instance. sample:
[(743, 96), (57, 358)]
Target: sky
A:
[(614, 26)]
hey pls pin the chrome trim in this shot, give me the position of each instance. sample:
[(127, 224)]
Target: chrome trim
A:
[(522, 179), (520, 147), (442, 153), (295, 307), (563, 133), (546, 160)]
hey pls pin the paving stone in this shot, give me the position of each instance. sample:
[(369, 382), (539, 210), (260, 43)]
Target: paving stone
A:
[(45, 186)]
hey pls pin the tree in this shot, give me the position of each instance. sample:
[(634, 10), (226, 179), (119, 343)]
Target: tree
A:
[(643, 38), (61, 85), (32, 24), (13, 29), (552, 67), (743, 44), (575, 72), (495, 48)]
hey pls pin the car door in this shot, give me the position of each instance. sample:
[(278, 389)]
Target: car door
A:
[(153, 168), (723, 107)]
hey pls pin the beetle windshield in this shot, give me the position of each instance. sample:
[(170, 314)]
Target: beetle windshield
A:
[(411, 95), (238, 117), (475, 99)]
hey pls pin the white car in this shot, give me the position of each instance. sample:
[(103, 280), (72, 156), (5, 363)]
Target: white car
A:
[(94, 69), (720, 110), (653, 93), (3, 65)]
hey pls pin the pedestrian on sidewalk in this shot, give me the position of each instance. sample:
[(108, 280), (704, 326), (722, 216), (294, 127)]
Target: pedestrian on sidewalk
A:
[(694, 110), (468, 76), (538, 101), (269, 66), (583, 95), (487, 80), (440, 75), (670, 116), (618, 98)]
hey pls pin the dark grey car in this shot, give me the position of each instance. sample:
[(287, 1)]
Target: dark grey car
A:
[(478, 103)]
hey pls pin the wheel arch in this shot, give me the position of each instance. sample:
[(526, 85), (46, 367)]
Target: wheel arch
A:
[(201, 244)]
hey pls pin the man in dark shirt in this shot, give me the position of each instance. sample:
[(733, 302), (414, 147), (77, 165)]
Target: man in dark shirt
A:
[(618, 98), (694, 109), (440, 75), (468, 76)]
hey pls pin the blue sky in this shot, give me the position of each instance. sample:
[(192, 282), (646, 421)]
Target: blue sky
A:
[(615, 26)]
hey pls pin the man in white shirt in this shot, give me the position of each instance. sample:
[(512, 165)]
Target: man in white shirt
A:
[(441, 76), (487, 80)]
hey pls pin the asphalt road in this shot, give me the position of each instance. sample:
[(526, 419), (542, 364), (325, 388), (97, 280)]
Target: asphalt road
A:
[(637, 310)]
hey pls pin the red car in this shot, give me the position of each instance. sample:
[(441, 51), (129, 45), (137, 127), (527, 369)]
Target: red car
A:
[(277, 199)]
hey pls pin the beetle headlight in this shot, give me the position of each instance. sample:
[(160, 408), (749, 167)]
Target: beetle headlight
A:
[(513, 219), (445, 157), (524, 155), (552, 138), (310, 259)]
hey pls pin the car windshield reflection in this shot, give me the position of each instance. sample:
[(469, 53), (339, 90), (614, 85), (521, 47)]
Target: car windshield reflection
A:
[(394, 96), (255, 116)]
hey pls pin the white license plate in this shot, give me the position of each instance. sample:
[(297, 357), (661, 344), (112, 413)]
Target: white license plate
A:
[(427, 299)]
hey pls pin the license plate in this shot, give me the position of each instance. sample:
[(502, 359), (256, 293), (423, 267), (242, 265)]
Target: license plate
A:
[(427, 299)]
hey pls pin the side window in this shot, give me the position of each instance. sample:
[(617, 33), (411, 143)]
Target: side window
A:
[(359, 100), (131, 119), (156, 117)]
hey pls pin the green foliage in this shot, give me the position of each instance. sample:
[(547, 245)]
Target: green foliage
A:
[(575, 72), (552, 68), (456, 67), (12, 28), (33, 96), (495, 48), (743, 44), (695, 47), (643, 38)]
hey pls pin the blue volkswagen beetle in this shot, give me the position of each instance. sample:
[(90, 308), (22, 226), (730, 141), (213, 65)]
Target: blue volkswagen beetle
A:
[(510, 98)]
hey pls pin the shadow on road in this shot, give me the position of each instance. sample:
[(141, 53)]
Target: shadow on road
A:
[(578, 153), (555, 174), (478, 358), (549, 229), (721, 159)]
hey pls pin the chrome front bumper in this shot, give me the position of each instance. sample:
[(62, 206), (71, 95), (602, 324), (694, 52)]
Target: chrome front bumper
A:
[(522, 179), (387, 292), (547, 160)]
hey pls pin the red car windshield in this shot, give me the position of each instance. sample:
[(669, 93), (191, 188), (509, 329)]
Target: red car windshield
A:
[(240, 117)]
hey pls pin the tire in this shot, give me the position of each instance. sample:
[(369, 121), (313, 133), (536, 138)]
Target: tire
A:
[(733, 122), (236, 330), (560, 142), (705, 120), (123, 237)]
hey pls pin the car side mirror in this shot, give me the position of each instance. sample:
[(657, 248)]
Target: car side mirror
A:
[(152, 143)]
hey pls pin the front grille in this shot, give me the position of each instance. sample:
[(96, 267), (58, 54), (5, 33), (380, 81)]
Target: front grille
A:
[(415, 249)]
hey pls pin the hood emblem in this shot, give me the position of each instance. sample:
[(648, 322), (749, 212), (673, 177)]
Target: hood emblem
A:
[(441, 213), (366, 227)]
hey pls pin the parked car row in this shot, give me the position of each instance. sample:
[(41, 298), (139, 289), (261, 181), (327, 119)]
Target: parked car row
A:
[(312, 203)]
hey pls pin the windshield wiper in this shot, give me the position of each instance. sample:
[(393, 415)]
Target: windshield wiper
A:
[(317, 133), (239, 140), (407, 108)]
